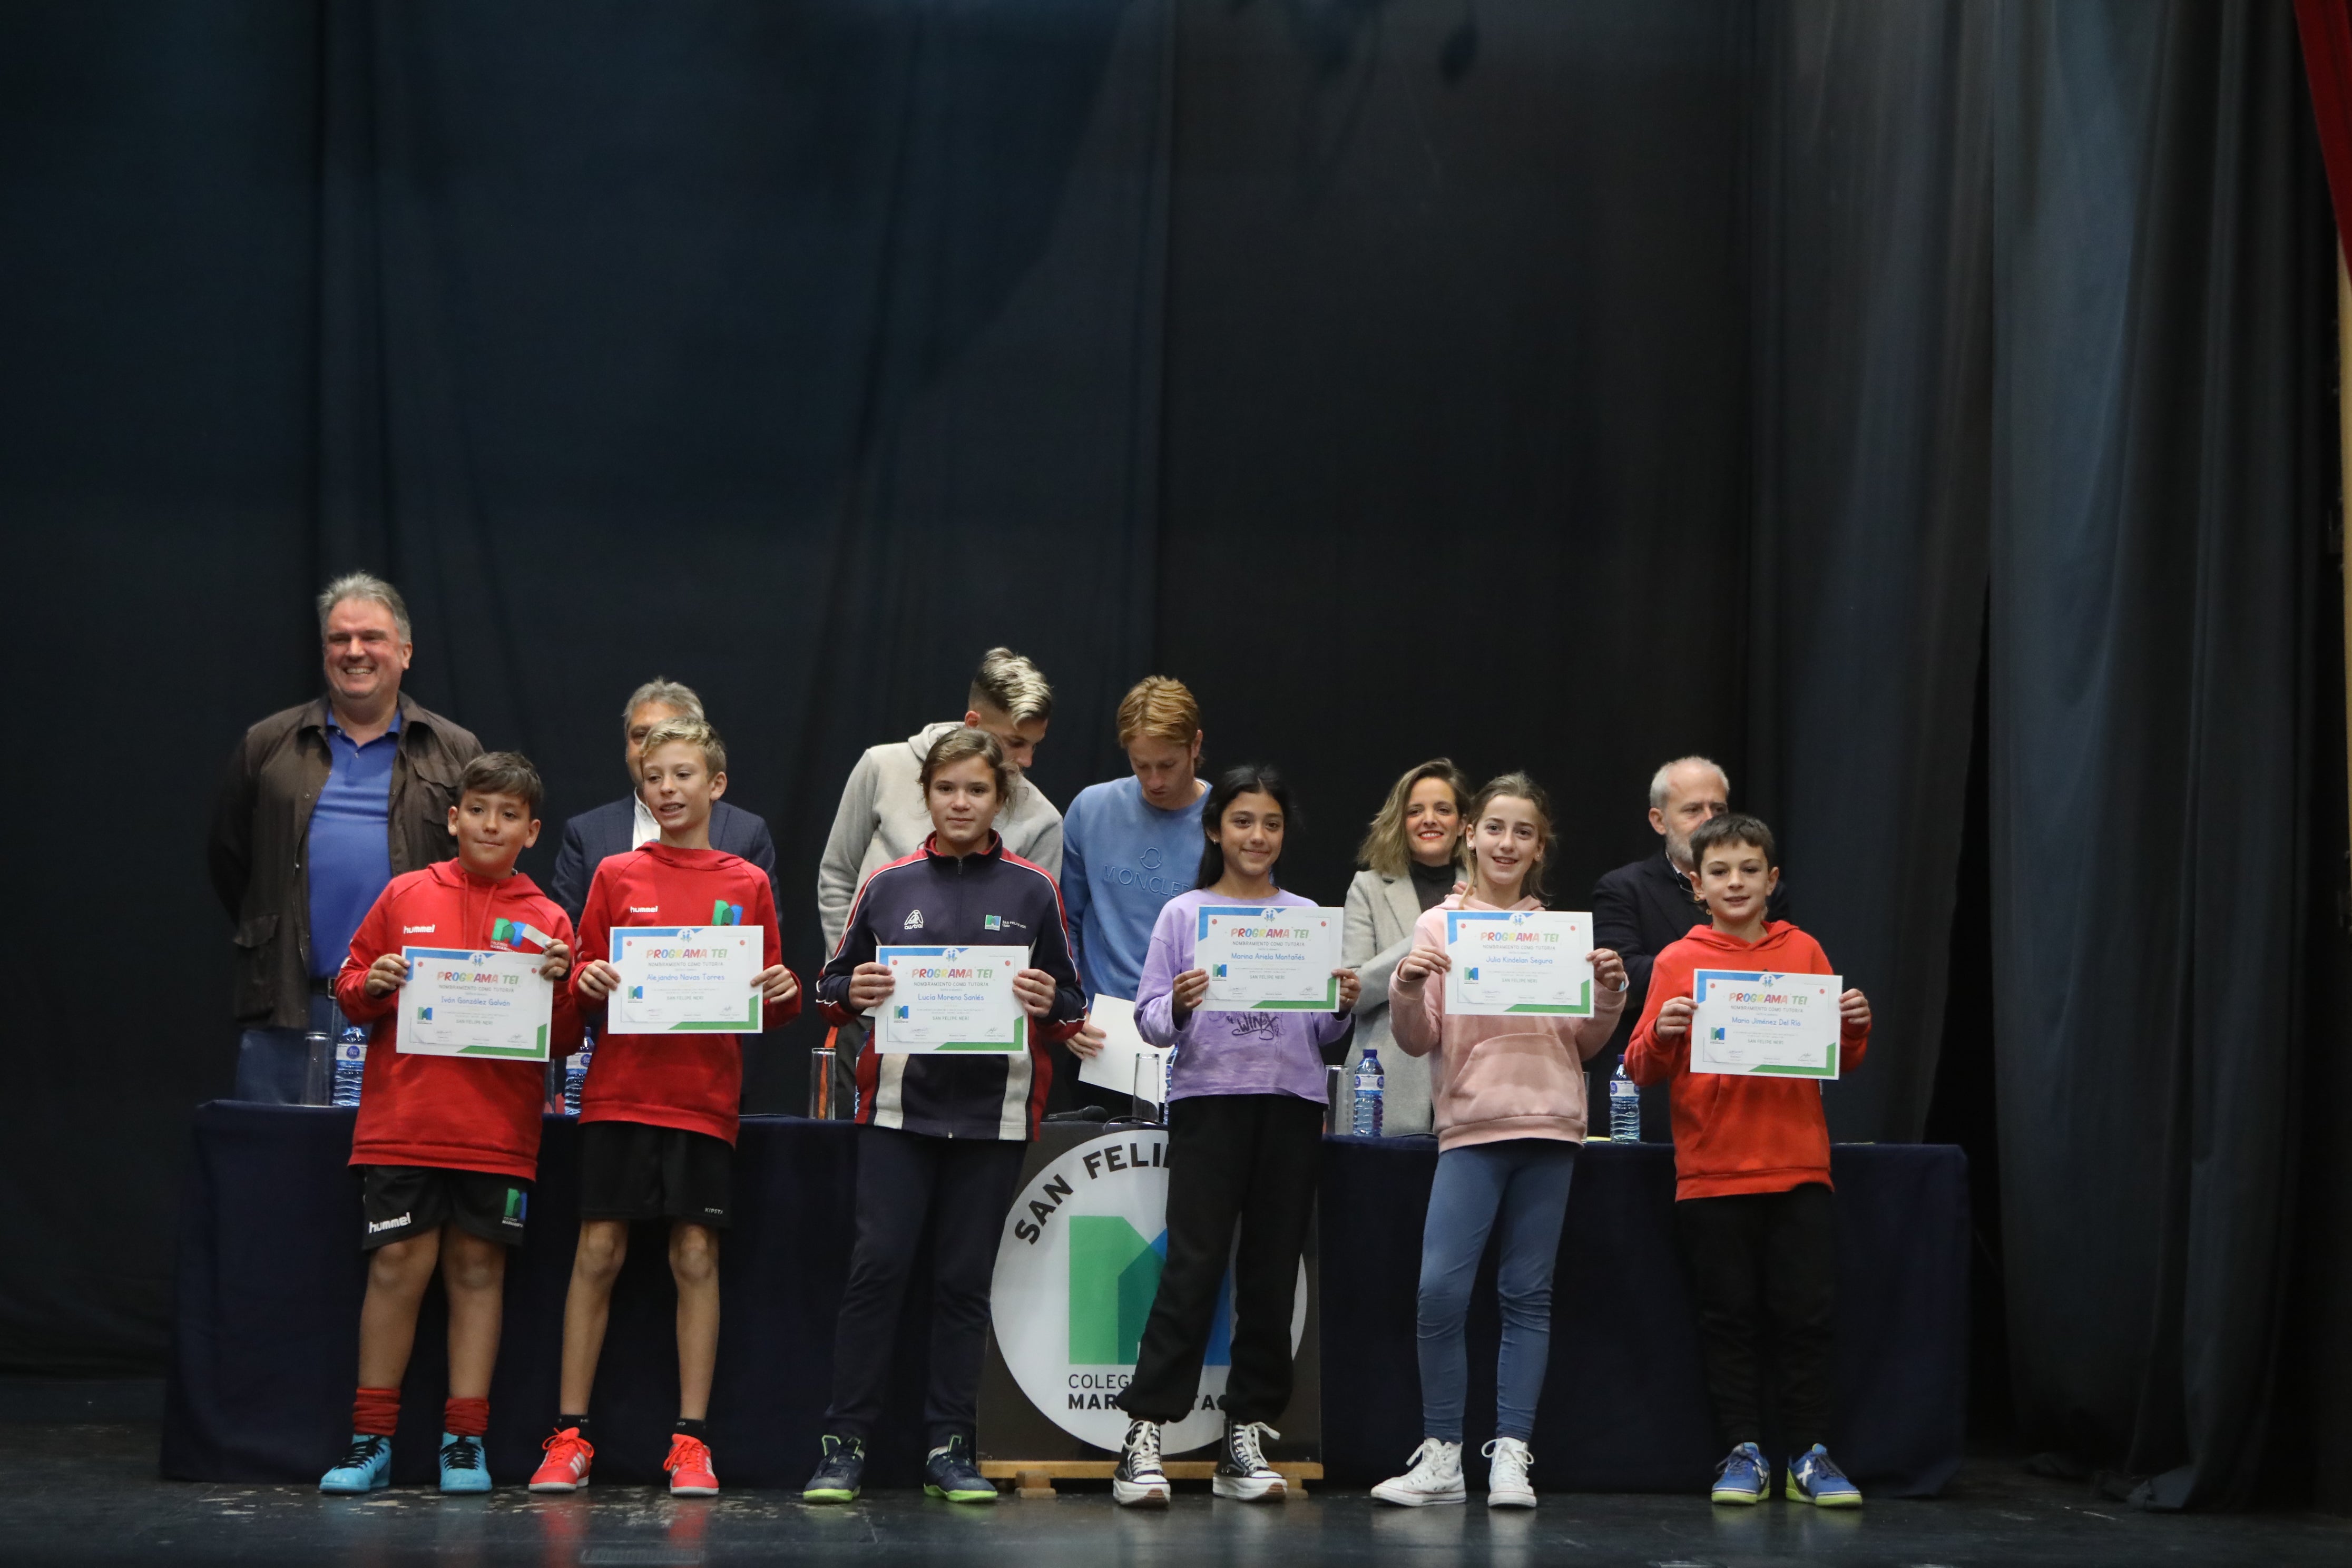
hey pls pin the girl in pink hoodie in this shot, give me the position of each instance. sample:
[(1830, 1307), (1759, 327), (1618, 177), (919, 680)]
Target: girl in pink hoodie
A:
[(1508, 1093)]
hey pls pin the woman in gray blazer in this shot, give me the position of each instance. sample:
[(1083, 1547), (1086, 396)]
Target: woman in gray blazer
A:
[(1408, 860)]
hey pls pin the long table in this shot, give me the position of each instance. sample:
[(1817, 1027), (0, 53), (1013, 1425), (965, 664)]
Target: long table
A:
[(269, 1279)]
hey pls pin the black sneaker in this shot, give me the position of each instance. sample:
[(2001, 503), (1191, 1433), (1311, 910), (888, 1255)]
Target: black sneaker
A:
[(839, 1473), (1241, 1471), (1138, 1481), (950, 1473)]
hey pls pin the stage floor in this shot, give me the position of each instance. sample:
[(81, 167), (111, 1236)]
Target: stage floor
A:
[(79, 1484)]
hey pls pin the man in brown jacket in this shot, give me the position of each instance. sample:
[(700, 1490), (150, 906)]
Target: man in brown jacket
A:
[(319, 807)]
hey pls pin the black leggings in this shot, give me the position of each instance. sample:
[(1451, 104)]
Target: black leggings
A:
[(1251, 1160), (962, 1187), (1758, 1256)]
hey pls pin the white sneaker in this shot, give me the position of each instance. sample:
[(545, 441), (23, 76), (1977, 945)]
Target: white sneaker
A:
[(1506, 1474), (1436, 1476), (1241, 1471), (1138, 1481)]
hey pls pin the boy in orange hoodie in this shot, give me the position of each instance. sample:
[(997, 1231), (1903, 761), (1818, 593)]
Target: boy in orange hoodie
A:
[(1753, 1209)]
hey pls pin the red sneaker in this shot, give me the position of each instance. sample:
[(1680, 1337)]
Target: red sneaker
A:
[(565, 1468), (688, 1465)]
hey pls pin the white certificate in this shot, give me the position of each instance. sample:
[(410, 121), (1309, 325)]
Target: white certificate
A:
[(687, 978), (1259, 958), (490, 1004), (1750, 1022), (1520, 961), (952, 999), (1127, 1063)]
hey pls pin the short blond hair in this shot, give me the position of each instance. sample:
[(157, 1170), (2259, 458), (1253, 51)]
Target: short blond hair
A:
[(1009, 683), (1161, 707), (695, 732)]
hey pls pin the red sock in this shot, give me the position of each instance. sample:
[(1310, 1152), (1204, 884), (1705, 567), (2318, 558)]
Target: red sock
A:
[(376, 1412), (466, 1417)]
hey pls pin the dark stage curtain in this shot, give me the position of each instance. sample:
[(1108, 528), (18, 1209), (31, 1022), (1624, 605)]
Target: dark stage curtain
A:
[(2161, 267), (1871, 433), (799, 353), (1564, 386)]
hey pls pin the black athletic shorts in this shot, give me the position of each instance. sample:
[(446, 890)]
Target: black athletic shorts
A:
[(629, 1170), (398, 1202)]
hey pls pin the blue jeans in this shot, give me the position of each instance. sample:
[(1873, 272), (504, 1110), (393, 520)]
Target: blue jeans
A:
[(1520, 1187), (271, 1064)]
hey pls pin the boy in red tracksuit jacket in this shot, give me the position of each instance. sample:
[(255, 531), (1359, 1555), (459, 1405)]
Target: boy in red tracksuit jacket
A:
[(1753, 1208), (659, 1112), (446, 1145)]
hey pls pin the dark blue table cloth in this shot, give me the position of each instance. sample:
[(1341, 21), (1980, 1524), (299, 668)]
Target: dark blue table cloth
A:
[(266, 1332)]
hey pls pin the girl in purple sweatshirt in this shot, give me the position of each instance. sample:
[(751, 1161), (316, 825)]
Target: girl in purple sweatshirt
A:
[(1245, 1141)]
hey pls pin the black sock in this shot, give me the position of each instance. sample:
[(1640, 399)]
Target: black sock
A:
[(698, 1430), (563, 1422)]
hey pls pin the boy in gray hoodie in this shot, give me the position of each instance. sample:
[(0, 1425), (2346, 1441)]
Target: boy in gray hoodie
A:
[(883, 818)]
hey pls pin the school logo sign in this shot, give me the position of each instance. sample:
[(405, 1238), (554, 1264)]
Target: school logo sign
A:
[(1077, 1268)]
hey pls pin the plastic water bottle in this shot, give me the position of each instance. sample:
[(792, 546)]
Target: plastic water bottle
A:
[(1624, 1107), (1371, 1084), (350, 1064), (575, 1073)]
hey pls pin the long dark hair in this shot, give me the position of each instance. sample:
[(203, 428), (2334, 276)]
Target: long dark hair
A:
[(1249, 778)]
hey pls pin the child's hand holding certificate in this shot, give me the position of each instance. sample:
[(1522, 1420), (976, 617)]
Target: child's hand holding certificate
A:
[(687, 978), (1778, 1026), (1518, 961), (1280, 958), (952, 999), (490, 1004)]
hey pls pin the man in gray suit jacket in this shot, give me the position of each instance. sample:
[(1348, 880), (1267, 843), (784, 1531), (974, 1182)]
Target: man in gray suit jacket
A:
[(620, 826)]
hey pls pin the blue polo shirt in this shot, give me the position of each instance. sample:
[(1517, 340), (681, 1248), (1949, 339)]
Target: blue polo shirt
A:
[(351, 840)]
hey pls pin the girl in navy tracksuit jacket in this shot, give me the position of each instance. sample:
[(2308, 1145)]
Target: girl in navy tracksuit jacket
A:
[(944, 1135)]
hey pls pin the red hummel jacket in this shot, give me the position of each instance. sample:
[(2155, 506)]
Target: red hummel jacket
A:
[(1738, 1135), (446, 1111), (688, 1080)]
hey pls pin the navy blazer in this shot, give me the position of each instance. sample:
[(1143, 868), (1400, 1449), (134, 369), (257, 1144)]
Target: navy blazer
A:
[(1638, 910), (592, 836)]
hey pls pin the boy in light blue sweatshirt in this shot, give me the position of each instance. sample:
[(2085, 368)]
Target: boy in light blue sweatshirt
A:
[(1133, 844)]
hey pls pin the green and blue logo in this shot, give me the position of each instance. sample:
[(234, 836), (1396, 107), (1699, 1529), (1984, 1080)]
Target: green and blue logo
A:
[(1078, 1269)]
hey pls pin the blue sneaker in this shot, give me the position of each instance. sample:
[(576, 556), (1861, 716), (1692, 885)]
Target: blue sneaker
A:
[(1814, 1477), (1743, 1477), (367, 1468), (950, 1473), (462, 1468), (839, 1473)]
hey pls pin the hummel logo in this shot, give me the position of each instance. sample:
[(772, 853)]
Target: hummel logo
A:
[(393, 1223), (645, 909), (914, 920), (412, 931)]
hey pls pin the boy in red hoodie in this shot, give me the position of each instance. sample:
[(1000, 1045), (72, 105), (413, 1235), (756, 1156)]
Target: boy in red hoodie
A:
[(657, 1115), (446, 1145), (1753, 1209)]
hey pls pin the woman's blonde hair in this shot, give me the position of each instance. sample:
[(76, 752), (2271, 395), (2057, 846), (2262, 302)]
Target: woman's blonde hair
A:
[(1384, 849), (1512, 786), (962, 743)]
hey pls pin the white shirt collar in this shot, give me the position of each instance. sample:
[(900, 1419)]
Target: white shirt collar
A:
[(643, 828)]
